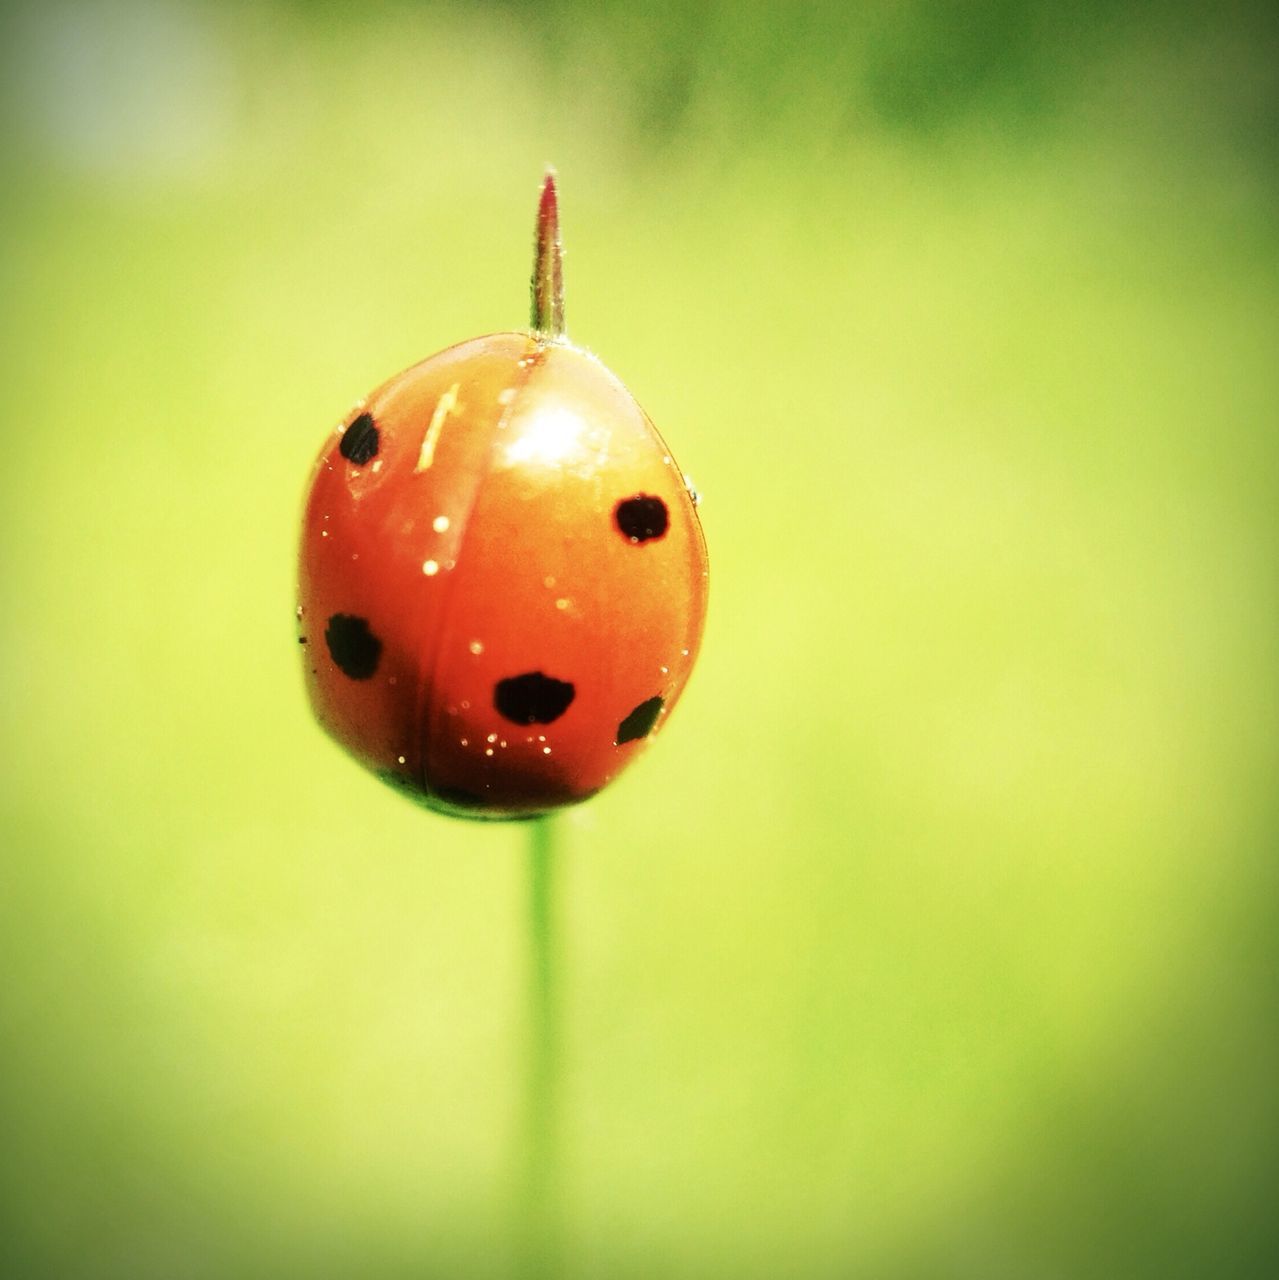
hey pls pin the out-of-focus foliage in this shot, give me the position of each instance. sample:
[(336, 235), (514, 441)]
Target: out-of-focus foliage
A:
[(937, 934)]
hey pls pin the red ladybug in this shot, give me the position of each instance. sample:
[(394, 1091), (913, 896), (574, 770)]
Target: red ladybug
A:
[(502, 573)]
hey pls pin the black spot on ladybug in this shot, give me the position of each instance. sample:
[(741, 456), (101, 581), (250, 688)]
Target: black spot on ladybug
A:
[(532, 698), (301, 639), (640, 722), (641, 517), (354, 648), (359, 440)]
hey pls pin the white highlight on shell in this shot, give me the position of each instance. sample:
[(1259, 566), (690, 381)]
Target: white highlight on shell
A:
[(447, 405), (476, 648), (430, 568), (548, 439), (440, 524)]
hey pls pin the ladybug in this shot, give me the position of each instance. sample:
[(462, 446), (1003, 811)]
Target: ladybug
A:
[(502, 573)]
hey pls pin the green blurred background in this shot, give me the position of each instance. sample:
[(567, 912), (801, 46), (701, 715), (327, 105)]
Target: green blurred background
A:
[(937, 936)]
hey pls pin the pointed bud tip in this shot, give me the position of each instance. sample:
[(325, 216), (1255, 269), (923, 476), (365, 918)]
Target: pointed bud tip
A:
[(548, 270), (548, 205)]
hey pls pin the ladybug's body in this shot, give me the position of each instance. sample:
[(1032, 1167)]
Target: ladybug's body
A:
[(503, 578)]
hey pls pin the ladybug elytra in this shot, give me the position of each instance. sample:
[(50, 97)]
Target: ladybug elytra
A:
[(503, 577)]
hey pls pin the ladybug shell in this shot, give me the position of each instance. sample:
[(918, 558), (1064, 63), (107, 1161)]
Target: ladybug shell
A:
[(502, 579)]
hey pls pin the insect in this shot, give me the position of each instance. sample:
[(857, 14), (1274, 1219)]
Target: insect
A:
[(502, 573)]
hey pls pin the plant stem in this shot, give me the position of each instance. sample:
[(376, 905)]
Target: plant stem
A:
[(541, 1084), (541, 1101), (548, 265)]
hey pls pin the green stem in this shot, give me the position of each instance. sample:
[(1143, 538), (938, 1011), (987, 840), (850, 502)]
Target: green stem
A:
[(548, 265), (541, 1084)]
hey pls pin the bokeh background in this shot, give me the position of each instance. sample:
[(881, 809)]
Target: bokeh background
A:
[(937, 935)]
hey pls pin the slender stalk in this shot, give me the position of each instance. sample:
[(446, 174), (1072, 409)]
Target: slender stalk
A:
[(541, 1174), (548, 265), (541, 1085)]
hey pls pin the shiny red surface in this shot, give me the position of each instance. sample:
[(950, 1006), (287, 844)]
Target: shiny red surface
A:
[(492, 553)]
